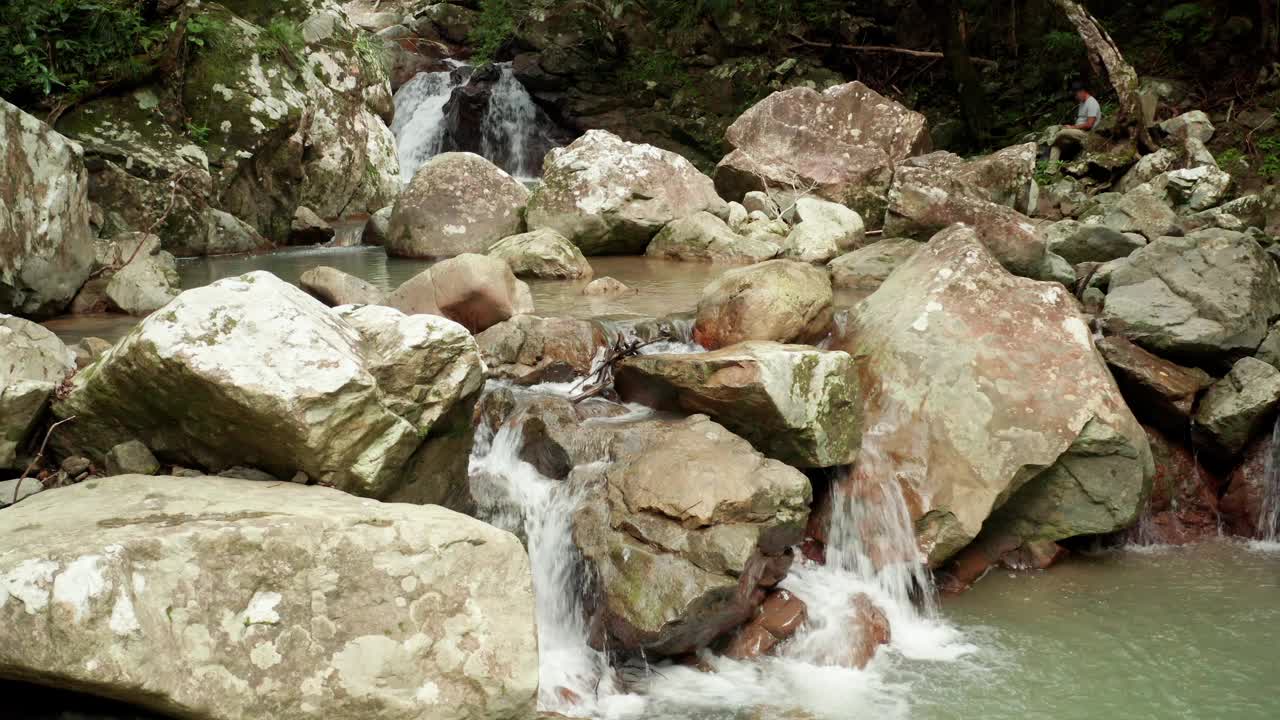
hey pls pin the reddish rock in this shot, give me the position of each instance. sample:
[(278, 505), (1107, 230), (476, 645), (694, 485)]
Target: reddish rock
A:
[(568, 696), (776, 620), (843, 142), (1241, 506), (1164, 392), (1184, 497), (871, 629), (1039, 555), (475, 291)]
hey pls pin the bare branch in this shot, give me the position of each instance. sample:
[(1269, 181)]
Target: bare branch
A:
[(886, 49), (35, 461)]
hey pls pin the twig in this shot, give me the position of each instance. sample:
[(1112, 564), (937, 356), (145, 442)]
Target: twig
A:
[(603, 375), (17, 488), (887, 49), (168, 210)]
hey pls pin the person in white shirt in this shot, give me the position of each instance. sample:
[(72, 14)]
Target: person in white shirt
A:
[(1088, 115)]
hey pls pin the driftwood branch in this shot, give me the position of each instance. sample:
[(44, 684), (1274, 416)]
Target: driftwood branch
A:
[(928, 54), (601, 378), (35, 461)]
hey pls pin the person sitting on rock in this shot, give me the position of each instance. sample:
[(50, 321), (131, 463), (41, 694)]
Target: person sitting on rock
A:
[(1088, 115)]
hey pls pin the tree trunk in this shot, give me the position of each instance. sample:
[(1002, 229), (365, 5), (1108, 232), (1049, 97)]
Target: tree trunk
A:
[(964, 76), (1269, 21), (1106, 60)]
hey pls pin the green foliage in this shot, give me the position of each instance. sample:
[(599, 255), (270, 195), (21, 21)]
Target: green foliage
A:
[(52, 47), (655, 68), (1186, 23), (203, 32), (1230, 157), (1048, 172), (1269, 150), (282, 36), (198, 133), (372, 56), (494, 27)]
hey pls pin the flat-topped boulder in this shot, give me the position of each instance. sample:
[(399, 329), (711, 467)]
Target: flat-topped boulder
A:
[(794, 403), (823, 230), (1239, 405), (222, 599), (529, 348), (46, 248), (843, 142), (781, 300), (1048, 448), (252, 371), (610, 197), (1208, 297), (543, 254), (456, 203), (705, 237), (865, 269), (334, 287)]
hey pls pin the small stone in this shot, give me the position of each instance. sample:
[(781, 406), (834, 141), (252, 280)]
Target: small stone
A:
[(606, 286), (75, 465), (185, 472), (131, 458), (308, 228), (247, 473), (300, 478)]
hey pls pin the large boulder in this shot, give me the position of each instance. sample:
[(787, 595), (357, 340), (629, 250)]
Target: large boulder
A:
[(1162, 392), (1239, 405), (928, 196), (793, 403), (705, 237), (685, 526), (823, 231), (1143, 210), (1250, 507), (474, 290), (1005, 177), (229, 599), (32, 364), (268, 124), (1184, 497), (530, 349), (140, 277), (46, 248), (1079, 243), (1210, 296), (542, 254), (865, 269), (780, 300), (842, 143), (456, 203), (1047, 448), (610, 197), (251, 371)]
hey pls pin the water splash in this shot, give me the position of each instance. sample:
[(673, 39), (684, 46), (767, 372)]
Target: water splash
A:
[(510, 133)]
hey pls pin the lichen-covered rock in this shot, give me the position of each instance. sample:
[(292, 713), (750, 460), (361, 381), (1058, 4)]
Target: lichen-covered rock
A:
[(266, 128), (1142, 210), (1194, 124), (334, 287), (842, 142), (1047, 449), (1197, 189), (1148, 168), (1238, 405), (140, 277), (1078, 243), (308, 228), (823, 230), (1005, 177), (456, 203), (542, 254), (252, 371), (865, 269), (601, 287), (33, 362), (780, 300), (688, 522), (46, 248), (925, 198), (794, 403), (474, 290), (528, 348), (378, 227), (237, 600), (610, 197), (705, 237), (1209, 296)]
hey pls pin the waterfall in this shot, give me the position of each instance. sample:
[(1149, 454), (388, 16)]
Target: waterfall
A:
[(418, 125), (509, 130), (1269, 511), (573, 677), (513, 133)]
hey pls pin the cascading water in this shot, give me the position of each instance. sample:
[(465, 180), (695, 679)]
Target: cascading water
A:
[(1269, 514), (418, 125), (512, 133)]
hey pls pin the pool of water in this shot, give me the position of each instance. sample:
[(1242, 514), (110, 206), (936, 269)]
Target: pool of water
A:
[(1139, 634)]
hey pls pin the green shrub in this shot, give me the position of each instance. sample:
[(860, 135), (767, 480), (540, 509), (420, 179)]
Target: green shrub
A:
[(1187, 22), (50, 47)]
